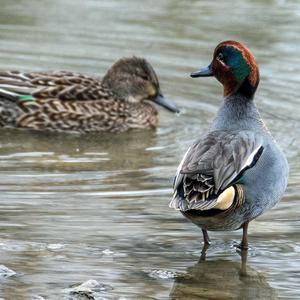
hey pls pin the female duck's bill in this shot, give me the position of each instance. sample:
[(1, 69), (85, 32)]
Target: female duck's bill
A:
[(166, 103)]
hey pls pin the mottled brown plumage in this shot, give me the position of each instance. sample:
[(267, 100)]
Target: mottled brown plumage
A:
[(67, 101)]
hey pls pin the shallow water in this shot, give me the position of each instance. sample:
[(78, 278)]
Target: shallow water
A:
[(75, 208)]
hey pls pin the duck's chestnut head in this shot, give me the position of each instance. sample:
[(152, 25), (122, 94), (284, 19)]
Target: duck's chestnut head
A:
[(235, 67)]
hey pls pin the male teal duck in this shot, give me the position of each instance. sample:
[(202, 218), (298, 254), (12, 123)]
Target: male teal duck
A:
[(236, 171), (67, 101)]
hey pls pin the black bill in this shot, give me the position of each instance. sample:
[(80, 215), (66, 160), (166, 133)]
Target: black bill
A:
[(205, 72), (166, 103)]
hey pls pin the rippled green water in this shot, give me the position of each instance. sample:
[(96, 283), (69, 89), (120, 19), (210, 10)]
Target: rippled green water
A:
[(74, 208)]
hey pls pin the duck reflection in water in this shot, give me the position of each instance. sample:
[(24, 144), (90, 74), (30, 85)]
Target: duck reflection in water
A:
[(222, 280)]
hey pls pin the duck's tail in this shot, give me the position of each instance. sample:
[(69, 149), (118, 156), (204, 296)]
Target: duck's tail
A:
[(13, 90)]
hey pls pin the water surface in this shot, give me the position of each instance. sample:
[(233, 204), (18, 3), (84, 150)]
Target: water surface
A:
[(80, 207)]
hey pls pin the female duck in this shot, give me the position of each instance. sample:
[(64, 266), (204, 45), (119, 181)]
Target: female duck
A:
[(66, 101), (236, 171)]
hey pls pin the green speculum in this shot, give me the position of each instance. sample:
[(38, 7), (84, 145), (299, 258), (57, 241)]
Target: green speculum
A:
[(25, 98)]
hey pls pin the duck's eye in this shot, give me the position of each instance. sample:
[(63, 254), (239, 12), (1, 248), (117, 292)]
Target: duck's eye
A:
[(144, 76), (220, 56)]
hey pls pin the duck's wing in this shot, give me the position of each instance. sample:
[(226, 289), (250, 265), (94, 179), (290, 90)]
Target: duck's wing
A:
[(61, 85), (211, 166)]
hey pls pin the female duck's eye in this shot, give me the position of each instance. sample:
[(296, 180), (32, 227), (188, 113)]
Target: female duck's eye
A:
[(144, 76), (220, 56)]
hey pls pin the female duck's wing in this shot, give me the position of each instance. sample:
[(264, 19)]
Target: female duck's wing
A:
[(211, 166), (61, 85)]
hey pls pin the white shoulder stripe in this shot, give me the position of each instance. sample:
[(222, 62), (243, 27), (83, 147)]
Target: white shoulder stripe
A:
[(250, 158)]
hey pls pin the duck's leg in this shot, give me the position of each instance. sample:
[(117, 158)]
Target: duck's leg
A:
[(203, 252), (205, 237), (244, 242), (205, 246)]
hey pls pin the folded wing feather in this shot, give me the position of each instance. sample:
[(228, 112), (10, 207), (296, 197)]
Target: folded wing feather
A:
[(62, 85), (212, 165)]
